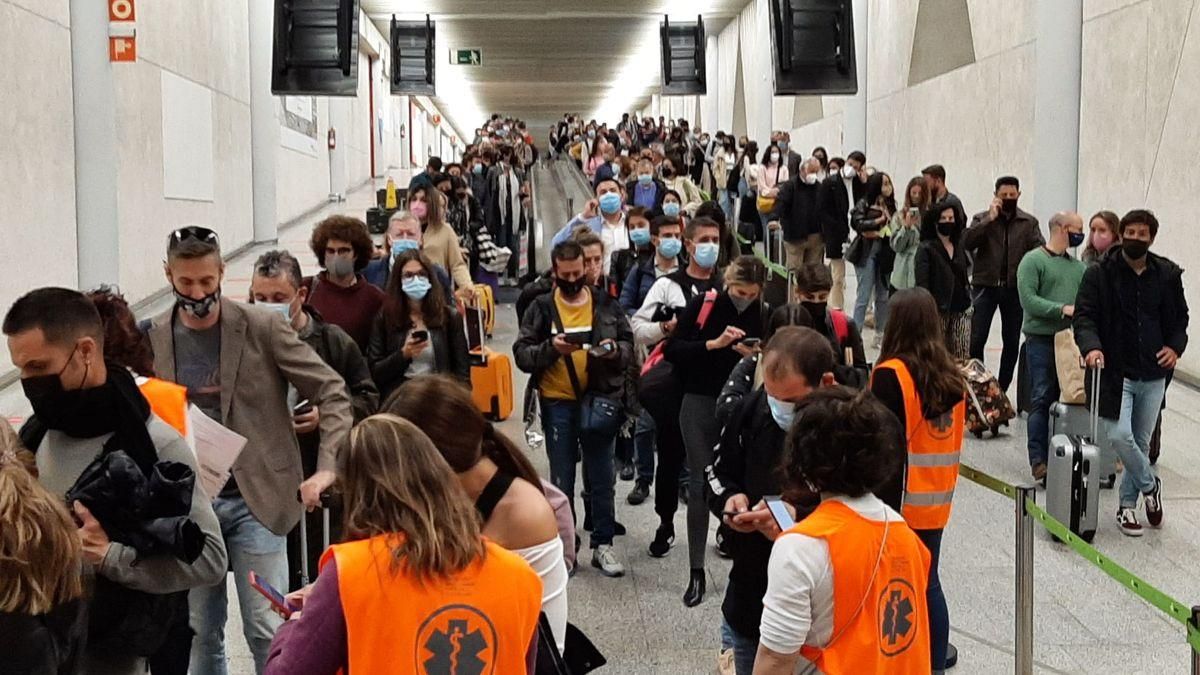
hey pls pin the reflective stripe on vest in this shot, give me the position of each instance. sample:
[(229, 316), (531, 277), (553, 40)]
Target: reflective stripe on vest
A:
[(480, 620), (934, 451), (167, 400), (880, 616)]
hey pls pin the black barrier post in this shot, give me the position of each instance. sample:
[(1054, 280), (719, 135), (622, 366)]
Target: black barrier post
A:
[(1023, 621), (1195, 623)]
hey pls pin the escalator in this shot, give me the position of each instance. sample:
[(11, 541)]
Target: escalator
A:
[(559, 192)]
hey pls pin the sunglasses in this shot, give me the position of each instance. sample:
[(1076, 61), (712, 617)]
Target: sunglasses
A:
[(192, 232)]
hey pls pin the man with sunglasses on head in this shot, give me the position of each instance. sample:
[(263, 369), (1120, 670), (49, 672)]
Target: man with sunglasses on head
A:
[(237, 362)]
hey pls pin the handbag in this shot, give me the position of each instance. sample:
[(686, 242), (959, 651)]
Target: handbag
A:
[(659, 391), (1068, 362), (766, 204), (599, 414)]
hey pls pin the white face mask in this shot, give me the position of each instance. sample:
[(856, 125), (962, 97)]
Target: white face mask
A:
[(811, 178), (848, 171)]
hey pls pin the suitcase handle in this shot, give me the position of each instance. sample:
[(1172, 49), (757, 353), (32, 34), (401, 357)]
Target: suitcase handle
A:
[(482, 356), (1095, 403)]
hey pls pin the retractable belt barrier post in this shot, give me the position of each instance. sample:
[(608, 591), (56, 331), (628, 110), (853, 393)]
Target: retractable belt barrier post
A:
[(1027, 513)]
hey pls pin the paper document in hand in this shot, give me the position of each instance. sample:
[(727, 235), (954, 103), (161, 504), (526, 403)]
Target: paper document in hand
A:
[(217, 448)]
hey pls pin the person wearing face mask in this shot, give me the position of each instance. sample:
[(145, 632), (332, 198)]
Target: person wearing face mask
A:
[(795, 212), (1131, 317), (703, 353), (1047, 281), (664, 237), (855, 172), (772, 176), (576, 345), (417, 332), (640, 251), (276, 285), (509, 207), (940, 267), (672, 204), (811, 289), (997, 240), (935, 181), (425, 179), (871, 252), (796, 362), (439, 243), (646, 190), (1102, 234), (341, 293), (237, 362), (726, 176), (833, 203), (403, 234), (675, 178), (819, 153), (605, 216), (82, 405)]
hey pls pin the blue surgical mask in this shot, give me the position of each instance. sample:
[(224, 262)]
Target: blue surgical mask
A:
[(640, 236), (706, 254), (671, 209), (284, 308), (645, 178), (669, 247), (477, 169), (401, 245), (782, 411), (416, 287), (610, 203)]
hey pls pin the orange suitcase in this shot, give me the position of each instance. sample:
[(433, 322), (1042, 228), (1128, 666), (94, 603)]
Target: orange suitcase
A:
[(492, 383)]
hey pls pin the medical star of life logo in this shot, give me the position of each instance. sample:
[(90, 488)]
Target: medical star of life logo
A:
[(898, 617), (941, 426), (456, 640)]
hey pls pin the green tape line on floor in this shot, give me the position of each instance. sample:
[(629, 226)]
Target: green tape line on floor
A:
[(990, 482), (774, 267), (1163, 602)]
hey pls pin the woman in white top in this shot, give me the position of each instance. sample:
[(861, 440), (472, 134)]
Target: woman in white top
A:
[(822, 609), (497, 476)]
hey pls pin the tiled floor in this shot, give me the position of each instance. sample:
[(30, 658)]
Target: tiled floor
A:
[(1085, 622)]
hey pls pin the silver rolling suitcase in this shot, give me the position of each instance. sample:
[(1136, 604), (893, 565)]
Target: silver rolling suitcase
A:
[(1073, 475), (1075, 420)]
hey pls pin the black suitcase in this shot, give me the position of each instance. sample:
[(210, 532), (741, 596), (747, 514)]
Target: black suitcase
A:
[(377, 220)]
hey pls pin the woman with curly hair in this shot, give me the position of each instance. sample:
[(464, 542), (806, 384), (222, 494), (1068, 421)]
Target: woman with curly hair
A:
[(341, 294)]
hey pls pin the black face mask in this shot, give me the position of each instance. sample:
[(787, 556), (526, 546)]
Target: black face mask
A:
[(1008, 207), (570, 289), (1135, 249), (946, 229), (197, 308), (668, 172), (816, 310), (81, 413)]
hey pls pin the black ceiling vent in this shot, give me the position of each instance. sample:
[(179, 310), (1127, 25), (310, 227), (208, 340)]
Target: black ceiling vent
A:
[(412, 57), (315, 48), (683, 59), (812, 47)]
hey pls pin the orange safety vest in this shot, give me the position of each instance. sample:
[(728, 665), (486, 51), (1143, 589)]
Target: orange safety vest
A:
[(481, 620), (880, 617), (167, 400), (934, 449)]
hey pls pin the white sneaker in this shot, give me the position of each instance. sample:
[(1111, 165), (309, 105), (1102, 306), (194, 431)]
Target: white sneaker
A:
[(605, 560)]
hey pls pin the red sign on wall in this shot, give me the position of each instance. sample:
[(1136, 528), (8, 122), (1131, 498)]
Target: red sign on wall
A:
[(121, 49), (121, 10), (122, 34)]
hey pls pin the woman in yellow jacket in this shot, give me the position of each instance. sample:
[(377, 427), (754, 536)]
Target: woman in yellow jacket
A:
[(918, 380)]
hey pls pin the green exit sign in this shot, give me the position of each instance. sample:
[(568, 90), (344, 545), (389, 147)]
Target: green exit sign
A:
[(466, 57)]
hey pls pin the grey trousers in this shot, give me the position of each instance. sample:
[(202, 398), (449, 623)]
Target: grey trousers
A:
[(701, 432)]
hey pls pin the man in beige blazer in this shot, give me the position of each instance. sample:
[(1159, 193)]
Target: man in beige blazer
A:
[(237, 362)]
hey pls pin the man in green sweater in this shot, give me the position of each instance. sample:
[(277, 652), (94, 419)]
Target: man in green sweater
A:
[(1048, 279)]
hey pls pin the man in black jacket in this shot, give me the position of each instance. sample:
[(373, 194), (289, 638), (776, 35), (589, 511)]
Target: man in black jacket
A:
[(276, 284), (796, 213), (1131, 316), (796, 362), (833, 204), (998, 238), (576, 344)]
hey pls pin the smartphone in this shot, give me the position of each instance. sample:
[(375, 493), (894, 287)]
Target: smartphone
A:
[(272, 595), (578, 336), (420, 335), (302, 407), (779, 511), (602, 350), (914, 211), (751, 342)]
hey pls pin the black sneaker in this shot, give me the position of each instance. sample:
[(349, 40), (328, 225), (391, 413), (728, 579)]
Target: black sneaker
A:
[(639, 493), (1128, 522), (626, 472), (663, 539), (951, 656), (1154, 506)]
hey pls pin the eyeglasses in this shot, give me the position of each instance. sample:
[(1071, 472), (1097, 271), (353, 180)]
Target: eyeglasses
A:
[(192, 232), (414, 275)]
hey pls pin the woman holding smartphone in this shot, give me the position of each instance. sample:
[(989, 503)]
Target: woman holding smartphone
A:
[(417, 332), (906, 234)]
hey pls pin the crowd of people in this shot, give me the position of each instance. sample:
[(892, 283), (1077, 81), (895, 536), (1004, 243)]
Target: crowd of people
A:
[(662, 348)]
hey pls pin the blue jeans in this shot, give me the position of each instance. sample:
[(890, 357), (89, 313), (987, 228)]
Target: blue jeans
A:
[(252, 547), (725, 199), (869, 280), (939, 615), (643, 447), (1130, 436), (744, 648), (564, 445), (1043, 392)]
